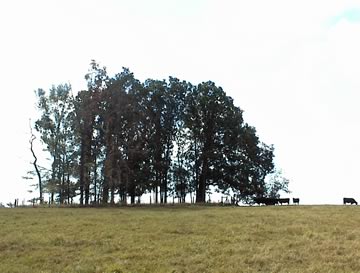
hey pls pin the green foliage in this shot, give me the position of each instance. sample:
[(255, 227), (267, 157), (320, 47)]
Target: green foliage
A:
[(276, 184), (226, 151)]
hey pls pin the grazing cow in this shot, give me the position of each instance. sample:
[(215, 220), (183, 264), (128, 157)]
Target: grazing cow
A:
[(350, 201), (296, 201), (284, 201)]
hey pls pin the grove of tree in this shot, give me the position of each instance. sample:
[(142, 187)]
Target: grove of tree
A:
[(122, 138)]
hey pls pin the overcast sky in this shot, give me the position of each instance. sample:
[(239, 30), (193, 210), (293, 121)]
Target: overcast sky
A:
[(292, 66)]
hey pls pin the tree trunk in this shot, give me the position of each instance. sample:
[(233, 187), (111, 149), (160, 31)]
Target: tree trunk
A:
[(164, 189), (62, 186), (82, 170), (201, 190), (33, 137), (87, 172), (201, 187), (95, 180), (206, 151), (105, 192), (68, 186), (132, 198), (112, 194), (156, 194)]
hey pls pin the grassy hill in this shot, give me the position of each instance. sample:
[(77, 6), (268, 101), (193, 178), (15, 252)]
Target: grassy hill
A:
[(181, 239)]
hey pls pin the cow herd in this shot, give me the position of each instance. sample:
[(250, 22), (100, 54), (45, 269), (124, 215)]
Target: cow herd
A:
[(296, 201), (275, 201)]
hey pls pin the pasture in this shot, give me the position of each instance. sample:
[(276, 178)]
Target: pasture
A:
[(181, 239)]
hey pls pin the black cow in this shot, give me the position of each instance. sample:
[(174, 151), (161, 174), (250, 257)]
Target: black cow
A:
[(296, 201), (350, 201), (284, 201), (259, 200)]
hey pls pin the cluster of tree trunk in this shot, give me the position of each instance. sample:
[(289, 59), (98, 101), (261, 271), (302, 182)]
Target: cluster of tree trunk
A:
[(122, 138)]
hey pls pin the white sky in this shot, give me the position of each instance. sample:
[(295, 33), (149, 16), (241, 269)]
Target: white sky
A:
[(292, 66)]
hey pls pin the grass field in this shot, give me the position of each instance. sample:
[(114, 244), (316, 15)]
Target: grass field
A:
[(181, 239)]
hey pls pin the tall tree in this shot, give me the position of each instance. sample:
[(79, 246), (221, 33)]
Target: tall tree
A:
[(252, 161), (204, 115), (180, 169), (226, 152), (163, 115), (137, 140), (54, 126), (86, 114)]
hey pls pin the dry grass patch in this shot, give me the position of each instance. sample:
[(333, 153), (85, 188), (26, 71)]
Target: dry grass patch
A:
[(181, 239)]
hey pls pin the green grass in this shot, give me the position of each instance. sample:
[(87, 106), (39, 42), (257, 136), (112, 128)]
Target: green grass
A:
[(181, 239)]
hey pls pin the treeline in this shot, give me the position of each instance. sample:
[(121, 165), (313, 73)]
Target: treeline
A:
[(122, 138)]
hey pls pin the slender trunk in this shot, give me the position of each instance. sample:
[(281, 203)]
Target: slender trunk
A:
[(112, 194), (53, 181), (166, 170), (158, 166), (87, 172), (62, 186), (156, 195), (130, 178), (68, 186), (95, 180), (82, 170), (36, 167), (113, 177), (165, 189), (107, 166), (196, 167)]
